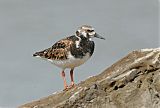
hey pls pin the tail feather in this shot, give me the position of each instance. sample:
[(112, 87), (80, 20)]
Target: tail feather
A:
[(43, 54), (38, 54), (35, 54)]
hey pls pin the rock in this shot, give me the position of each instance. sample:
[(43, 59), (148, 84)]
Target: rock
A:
[(132, 82)]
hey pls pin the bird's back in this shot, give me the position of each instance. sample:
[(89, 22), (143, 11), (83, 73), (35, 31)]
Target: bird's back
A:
[(69, 52)]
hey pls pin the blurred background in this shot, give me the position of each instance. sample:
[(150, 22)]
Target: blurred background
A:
[(27, 26)]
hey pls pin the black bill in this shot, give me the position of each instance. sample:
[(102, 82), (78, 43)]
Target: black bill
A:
[(98, 36)]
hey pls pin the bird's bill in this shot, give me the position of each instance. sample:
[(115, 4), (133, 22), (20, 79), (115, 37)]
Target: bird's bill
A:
[(98, 36)]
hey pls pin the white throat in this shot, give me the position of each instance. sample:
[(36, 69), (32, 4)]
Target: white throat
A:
[(84, 34), (90, 39), (78, 41)]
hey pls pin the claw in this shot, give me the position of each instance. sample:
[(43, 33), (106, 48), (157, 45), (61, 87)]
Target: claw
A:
[(71, 86), (65, 88)]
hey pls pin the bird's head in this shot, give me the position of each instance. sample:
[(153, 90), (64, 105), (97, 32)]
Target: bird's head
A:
[(88, 32)]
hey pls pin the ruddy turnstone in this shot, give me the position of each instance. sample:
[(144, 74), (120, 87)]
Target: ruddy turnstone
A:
[(72, 51)]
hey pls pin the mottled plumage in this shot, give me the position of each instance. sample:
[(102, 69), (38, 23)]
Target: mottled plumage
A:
[(59, 51), (72, 51)]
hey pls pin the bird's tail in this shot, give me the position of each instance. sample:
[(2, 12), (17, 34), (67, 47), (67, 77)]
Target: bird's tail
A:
[(38, 54)]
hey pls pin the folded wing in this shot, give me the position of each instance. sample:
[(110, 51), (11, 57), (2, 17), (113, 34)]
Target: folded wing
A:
[(58, 51)]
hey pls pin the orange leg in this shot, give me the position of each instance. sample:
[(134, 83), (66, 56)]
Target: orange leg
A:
[(64, 80), (72, 79)]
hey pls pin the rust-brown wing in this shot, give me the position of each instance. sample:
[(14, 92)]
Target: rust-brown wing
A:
[(58, 51)]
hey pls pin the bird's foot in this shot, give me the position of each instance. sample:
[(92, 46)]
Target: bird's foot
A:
[(65, 88), (69, 87), (72, 85)]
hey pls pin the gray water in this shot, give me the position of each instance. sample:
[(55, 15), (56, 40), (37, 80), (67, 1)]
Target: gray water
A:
[(27, 26)]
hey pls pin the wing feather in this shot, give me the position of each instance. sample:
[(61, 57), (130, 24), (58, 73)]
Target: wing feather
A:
[(58, 51)]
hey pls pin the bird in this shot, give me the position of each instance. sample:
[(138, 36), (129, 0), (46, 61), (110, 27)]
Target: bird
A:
[(71, 52)]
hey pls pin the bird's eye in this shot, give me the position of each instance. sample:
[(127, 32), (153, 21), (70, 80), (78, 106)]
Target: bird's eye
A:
[(90, 30)]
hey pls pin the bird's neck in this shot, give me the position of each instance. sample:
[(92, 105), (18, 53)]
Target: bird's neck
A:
[(82, 46)]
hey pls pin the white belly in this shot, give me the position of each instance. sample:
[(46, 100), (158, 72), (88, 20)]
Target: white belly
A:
[(71, 62)]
